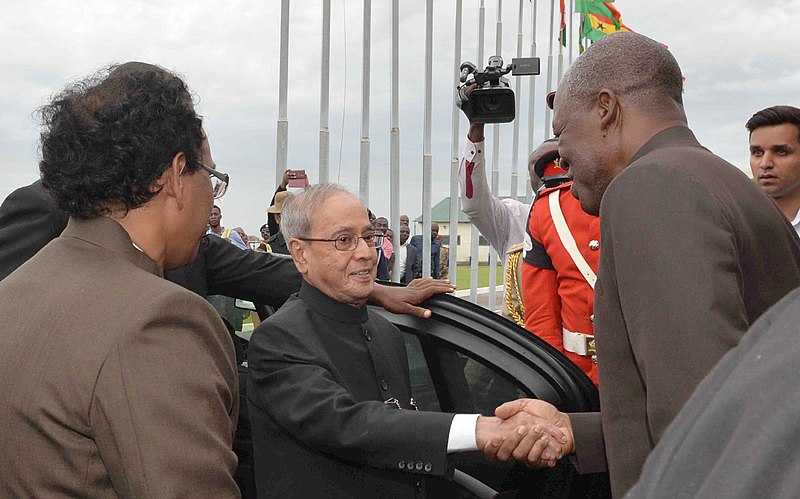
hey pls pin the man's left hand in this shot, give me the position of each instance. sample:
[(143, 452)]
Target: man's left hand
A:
[(404, 300)]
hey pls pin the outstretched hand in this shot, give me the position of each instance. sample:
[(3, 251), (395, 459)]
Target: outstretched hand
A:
[(527, 448), (404, 300)]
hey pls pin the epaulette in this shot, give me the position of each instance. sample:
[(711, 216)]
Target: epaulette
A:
[(544, 192), (515, 248)]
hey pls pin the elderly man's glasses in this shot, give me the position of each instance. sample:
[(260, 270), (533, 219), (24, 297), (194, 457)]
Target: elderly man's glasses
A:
[(219, 181), (349, 242)]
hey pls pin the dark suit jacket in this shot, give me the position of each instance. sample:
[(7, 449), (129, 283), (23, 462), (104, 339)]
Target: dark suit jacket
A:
[(113, 381), (413, 267), (738, 436), (29, 219), (320, 372), (692, 254), (417, 242), (278, 244)]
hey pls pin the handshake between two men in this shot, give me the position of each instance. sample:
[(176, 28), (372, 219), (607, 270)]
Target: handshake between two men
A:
[(532, 432)]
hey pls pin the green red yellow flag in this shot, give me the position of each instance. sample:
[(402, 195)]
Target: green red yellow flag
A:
[(599, 19), (596, 27), (563, 32)]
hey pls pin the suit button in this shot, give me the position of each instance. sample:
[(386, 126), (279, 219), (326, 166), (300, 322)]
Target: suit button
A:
[(591, 318), (594, 245), (385, 386), (428, 466), (419, 466), (410, 465), (401, 465), (367, 335)]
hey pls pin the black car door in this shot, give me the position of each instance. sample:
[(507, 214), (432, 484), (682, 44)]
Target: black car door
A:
[(465, 359)]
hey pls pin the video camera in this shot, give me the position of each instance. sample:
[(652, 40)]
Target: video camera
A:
[(493, 100)]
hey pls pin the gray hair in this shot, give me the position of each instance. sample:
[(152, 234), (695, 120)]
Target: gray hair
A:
[(299, 210), (631, 65)]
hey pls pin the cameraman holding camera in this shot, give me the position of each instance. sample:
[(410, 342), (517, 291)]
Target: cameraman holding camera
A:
[(556, 266)]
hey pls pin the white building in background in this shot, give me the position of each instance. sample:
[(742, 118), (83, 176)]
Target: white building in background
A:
[(440, 213)]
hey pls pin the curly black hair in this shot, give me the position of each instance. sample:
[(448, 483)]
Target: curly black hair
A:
[(106, 139)]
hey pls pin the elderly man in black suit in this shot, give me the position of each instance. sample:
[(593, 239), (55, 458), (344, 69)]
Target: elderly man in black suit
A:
[(692, 252), (329, 390)]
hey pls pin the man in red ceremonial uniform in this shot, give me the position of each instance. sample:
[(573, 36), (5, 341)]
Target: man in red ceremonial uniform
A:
[(560, 265)]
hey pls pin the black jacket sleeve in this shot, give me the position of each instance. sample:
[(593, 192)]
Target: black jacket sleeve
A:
[(265, 278), (29, 219)]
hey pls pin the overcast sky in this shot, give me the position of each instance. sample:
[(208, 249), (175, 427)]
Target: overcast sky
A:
[(735, 54)]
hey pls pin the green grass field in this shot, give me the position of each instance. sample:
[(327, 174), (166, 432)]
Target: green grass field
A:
[(462, 278)]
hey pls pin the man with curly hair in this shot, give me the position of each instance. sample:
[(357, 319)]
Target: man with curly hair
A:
[(123, 384)]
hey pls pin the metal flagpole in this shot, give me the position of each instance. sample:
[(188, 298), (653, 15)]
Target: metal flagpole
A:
[(560, 55), (495, 166), (454, 159), (394, 134), (426, 144), (475, 235), (549, 70), (283, 85), (364, 170), (324, 99), (518, 94), (569, 38), (532, 102)]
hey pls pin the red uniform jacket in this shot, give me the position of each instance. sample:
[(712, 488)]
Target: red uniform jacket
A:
[(555, 293)]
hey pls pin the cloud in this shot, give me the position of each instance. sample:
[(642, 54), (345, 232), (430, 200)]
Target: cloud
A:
[(733, 54)]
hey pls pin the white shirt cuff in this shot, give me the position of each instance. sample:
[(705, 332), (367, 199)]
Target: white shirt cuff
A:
[(462, 433)]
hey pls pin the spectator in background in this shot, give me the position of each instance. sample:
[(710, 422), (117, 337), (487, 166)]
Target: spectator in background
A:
[(276, 241), (444, 258), (272, 222), (383, 262), (416, 241), (387, 248), (263, 246), (408, 256), (405, 221), (390, 237), (215, 227), (225, 305), (243, 235)]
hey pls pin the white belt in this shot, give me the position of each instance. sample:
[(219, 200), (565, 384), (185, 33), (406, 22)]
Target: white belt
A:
[(578, 343)]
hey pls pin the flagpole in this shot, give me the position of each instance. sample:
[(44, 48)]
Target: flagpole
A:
[(325, 84), (517, 90), (474, 234), (281, 143), (569, 38), (549, 69), (560, 54), (394, 123), (365, 86), (532, 100), (427, 157), (495, 165), (454, 157)]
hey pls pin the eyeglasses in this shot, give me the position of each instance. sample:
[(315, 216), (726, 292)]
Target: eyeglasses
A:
[(219, 181), (349, 242)]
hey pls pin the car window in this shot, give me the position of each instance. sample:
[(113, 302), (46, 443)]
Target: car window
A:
[(421, 384), (467, 384)]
